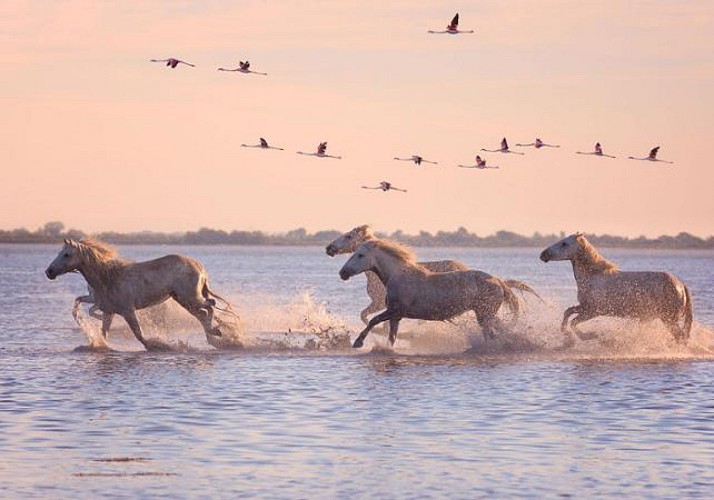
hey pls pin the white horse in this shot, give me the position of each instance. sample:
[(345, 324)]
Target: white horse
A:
[(348, 243), (121, 287), (415, 292), (604, 290)]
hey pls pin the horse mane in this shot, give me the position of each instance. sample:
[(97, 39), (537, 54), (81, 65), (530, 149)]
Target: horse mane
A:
[(366, 231), (595, 262), (396, 250), (101, 256)]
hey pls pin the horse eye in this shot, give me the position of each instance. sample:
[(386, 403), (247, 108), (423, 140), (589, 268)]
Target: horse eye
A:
[(66, 254), (563, 244), (359, 255)]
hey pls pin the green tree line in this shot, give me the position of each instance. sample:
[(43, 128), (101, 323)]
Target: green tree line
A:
[(55, 231)]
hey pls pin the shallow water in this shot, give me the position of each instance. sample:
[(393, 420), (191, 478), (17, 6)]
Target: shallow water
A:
[(299, 416)]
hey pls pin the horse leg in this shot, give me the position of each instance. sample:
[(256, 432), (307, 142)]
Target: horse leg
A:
[(566, 315), (359, 342), (677, 332), (133, 322), (372, 308), (583, 316), (393, 327), (93, 312), (106, 323), (200, 309)]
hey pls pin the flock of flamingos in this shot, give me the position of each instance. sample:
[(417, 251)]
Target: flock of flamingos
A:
[(480, 163), (398, 285)]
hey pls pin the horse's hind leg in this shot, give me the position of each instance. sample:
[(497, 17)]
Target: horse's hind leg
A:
[(393, 328), (133, 322), (677, 332), (201, 310)]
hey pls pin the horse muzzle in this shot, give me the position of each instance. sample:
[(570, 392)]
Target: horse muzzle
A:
[(345, 275), (330, 250), (545, 256), (50, 274)]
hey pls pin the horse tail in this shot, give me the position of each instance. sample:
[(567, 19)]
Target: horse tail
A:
[(688, 312), (208, 293), (511, 300), (519, 285)]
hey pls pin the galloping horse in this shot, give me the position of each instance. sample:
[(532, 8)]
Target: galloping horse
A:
[(121, 287), (348, 243), (604, 290), (415, 292)]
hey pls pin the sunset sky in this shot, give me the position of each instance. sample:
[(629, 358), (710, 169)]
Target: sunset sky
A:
[(96, 136)]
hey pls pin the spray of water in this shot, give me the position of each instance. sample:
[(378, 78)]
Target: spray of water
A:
[(304, 324)]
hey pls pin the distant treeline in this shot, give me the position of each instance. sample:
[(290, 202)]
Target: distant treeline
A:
[(55, 231)]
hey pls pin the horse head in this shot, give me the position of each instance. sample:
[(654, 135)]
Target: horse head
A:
[(67, 260), (565, 249), (361, 260), (349, 241)]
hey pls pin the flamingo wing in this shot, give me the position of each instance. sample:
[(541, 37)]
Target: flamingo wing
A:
[(263, 143), (454, 22), (653, 153)]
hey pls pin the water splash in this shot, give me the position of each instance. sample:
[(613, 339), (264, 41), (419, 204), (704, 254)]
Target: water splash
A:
[(305, 324)]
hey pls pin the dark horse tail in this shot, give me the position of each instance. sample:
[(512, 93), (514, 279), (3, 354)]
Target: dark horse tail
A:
[(208, 293), (688, 313), (520, 286), (511, 299)]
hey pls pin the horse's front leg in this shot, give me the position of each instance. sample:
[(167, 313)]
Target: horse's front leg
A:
[(359, 342), (567, 314), (77, 302), (93, 312), (106, 323), (584, 315)]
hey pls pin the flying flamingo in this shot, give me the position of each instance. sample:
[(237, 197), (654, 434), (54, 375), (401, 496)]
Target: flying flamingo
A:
[(597, 152), (173, 62), (504, 148), (538, 144), (385, 186), (243, 67), (652, 156), (263, 145), (452, 28), (418, 160), (480, 163), (320, 152)]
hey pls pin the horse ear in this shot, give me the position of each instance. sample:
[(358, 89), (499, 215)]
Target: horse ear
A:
[(66, 241)]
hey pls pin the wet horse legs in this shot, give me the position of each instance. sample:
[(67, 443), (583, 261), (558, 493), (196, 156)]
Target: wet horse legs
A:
[(359, 342)]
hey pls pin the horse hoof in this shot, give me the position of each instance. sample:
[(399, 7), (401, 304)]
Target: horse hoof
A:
[(358, 343)]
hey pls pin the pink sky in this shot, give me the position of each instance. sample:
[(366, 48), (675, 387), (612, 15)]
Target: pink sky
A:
[(95, 135)]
